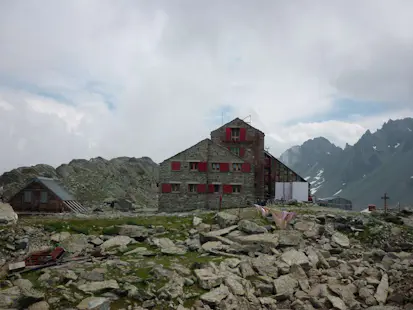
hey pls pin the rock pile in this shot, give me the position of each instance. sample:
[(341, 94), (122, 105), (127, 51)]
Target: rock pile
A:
[(317, 263)]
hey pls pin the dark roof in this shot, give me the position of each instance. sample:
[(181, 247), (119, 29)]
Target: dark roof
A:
[(55, 187), (270, 155), (332, 198), (237, 119), (202, 141)]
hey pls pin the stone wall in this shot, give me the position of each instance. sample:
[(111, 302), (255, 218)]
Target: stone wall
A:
[(204, 151), (254, 149)]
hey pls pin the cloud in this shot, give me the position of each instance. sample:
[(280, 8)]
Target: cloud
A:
[(112, 78)]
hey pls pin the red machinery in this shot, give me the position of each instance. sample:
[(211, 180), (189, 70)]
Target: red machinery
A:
[(44, 257)]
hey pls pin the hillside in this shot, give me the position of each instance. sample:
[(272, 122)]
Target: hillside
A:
[(379, 162), (95, 180)]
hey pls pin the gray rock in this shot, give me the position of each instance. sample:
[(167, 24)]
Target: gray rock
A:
[(250, 227), (7, 214), (98, 286), (117, 241), (225, 219), (168, 247), (294, 257), (341, 239), (382, 290), (285, 285), (215, 296)]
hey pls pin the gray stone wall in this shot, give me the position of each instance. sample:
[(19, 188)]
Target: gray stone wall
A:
[(204, 151), (254, 147)]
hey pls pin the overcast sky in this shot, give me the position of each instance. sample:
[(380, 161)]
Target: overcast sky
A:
[(86, 78)]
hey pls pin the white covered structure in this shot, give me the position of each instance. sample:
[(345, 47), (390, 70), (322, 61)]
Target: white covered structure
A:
[(291, 190)]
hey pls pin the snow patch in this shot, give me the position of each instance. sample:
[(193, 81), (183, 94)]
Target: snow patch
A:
[(411, 177), (364, 176), (409, 129), (374, 147), (328, 153), (397, 145), (337, 192), (343, 184), (307, 178)]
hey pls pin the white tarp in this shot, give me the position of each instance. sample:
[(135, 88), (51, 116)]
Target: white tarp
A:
[(291, 190), (283, 191), (300, 191)]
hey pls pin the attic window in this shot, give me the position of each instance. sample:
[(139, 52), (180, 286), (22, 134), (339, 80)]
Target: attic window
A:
[(235, 150), (235, 134)]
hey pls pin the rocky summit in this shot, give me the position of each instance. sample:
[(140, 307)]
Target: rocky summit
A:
[(325, 259), (96, 181)]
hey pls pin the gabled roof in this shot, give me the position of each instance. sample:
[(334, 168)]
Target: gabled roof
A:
[(200, 142), (55, 187), (272, 156), (238, 119)]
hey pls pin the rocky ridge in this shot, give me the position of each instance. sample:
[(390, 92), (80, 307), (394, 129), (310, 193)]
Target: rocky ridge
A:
[(224, 261), (96, 180)]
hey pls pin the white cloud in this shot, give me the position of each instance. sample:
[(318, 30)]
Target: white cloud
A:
[(168, 67)]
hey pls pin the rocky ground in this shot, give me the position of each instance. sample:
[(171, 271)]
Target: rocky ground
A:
[(230, 260)]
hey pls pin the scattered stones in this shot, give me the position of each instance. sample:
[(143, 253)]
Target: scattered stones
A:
[(316, 263)]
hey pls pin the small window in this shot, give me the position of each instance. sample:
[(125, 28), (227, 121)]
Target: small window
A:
[(193, 166), (235, 150), (192, 188), (27, 196), (236, 188), (175, 188), (216, 188), (236, 167), (215, 167), (235, 133), (43, 197)]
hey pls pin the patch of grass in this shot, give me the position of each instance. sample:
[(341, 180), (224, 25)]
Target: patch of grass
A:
[(100, 226)]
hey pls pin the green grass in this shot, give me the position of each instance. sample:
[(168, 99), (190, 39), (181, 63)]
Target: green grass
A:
[(177, 224)]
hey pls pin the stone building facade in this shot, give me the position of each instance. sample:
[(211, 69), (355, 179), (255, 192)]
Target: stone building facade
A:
[(199, 176), (247, 142), (233, 164)]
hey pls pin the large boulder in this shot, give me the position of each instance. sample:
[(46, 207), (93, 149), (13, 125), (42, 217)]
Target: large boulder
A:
[(7, 214)]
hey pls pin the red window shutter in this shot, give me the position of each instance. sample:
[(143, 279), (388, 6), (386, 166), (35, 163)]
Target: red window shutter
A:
[(242, 134), (246, 167), (227, 189), (166, 188), (228, 134), (210, 188), (241, 152), (175, 165), (201, 188), (202, 166), (224, 167)]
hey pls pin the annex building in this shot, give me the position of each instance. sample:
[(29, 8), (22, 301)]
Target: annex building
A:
[(231, 169)]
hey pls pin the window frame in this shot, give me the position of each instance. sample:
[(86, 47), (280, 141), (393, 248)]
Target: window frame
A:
[(236, 188), (192, 188), (217, 167), (235, 134), (238, 165), (173, 189), (217, 188), (46, 200), (195, 164), (30, 195)]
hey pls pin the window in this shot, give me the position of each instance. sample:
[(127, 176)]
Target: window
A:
[(175, 188), (27, 196), (236, 188), (216, 188), (192, 188), (235, 133), (193, 166), (43, 197), (215, 167), (236, 167), (235, 150)]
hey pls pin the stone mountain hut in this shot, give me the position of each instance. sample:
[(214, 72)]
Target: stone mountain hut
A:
[(45, 195)]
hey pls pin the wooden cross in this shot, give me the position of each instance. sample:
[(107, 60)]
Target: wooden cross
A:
[(385, 198)]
